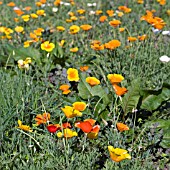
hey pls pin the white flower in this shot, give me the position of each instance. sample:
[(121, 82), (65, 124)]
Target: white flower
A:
[(155, 31), (165, 32), (91, 4), (164, 59), (16, 8), (43, 5), (54, 9), (65, 3), (92, 12)]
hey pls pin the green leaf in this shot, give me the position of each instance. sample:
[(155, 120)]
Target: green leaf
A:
[(131, 98), (153, 101), (166, 139), (22, 53), (165, 126)]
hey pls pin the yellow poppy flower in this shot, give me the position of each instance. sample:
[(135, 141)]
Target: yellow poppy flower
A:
[(118, 154), (40, 12), (81, 11), (74, 29), (121, 29), (19, 29), (72, 74), (34, 16), (60, 28), (47, 46), (61, 43), (68, 133), (26, 18), (24, 127), (74, 50), (70, 112)]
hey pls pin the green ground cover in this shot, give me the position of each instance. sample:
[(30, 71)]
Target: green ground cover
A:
[(114, 108)]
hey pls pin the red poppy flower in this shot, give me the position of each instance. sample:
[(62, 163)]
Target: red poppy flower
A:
[(53, 128)]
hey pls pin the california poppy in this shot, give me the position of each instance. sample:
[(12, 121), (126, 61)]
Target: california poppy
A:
[(24, 127), (92, 81), (72, 74), (122, 127), (119, 90), (47, 46), (41, 119), (53, 128), (118, 154)]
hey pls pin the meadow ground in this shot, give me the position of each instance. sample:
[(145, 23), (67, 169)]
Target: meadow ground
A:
[(85, 84)]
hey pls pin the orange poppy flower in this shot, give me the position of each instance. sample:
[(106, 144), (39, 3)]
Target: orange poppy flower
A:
[(115, 78), (57, 2), (66, 125), (80, 106), (124, 9), (87, 127), (91, 121), (86, 27), (132, 39), (97, 47), (18, 12), (43, 1), (115, 23), (11, 4), (111, 45), (41, 119), (110, 13), (142, 37), (65, 88), (92, 81), (1, 2), (119, 90), (103, 18), (162, 2), (27, 8), (122, 127), (84, 68)]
